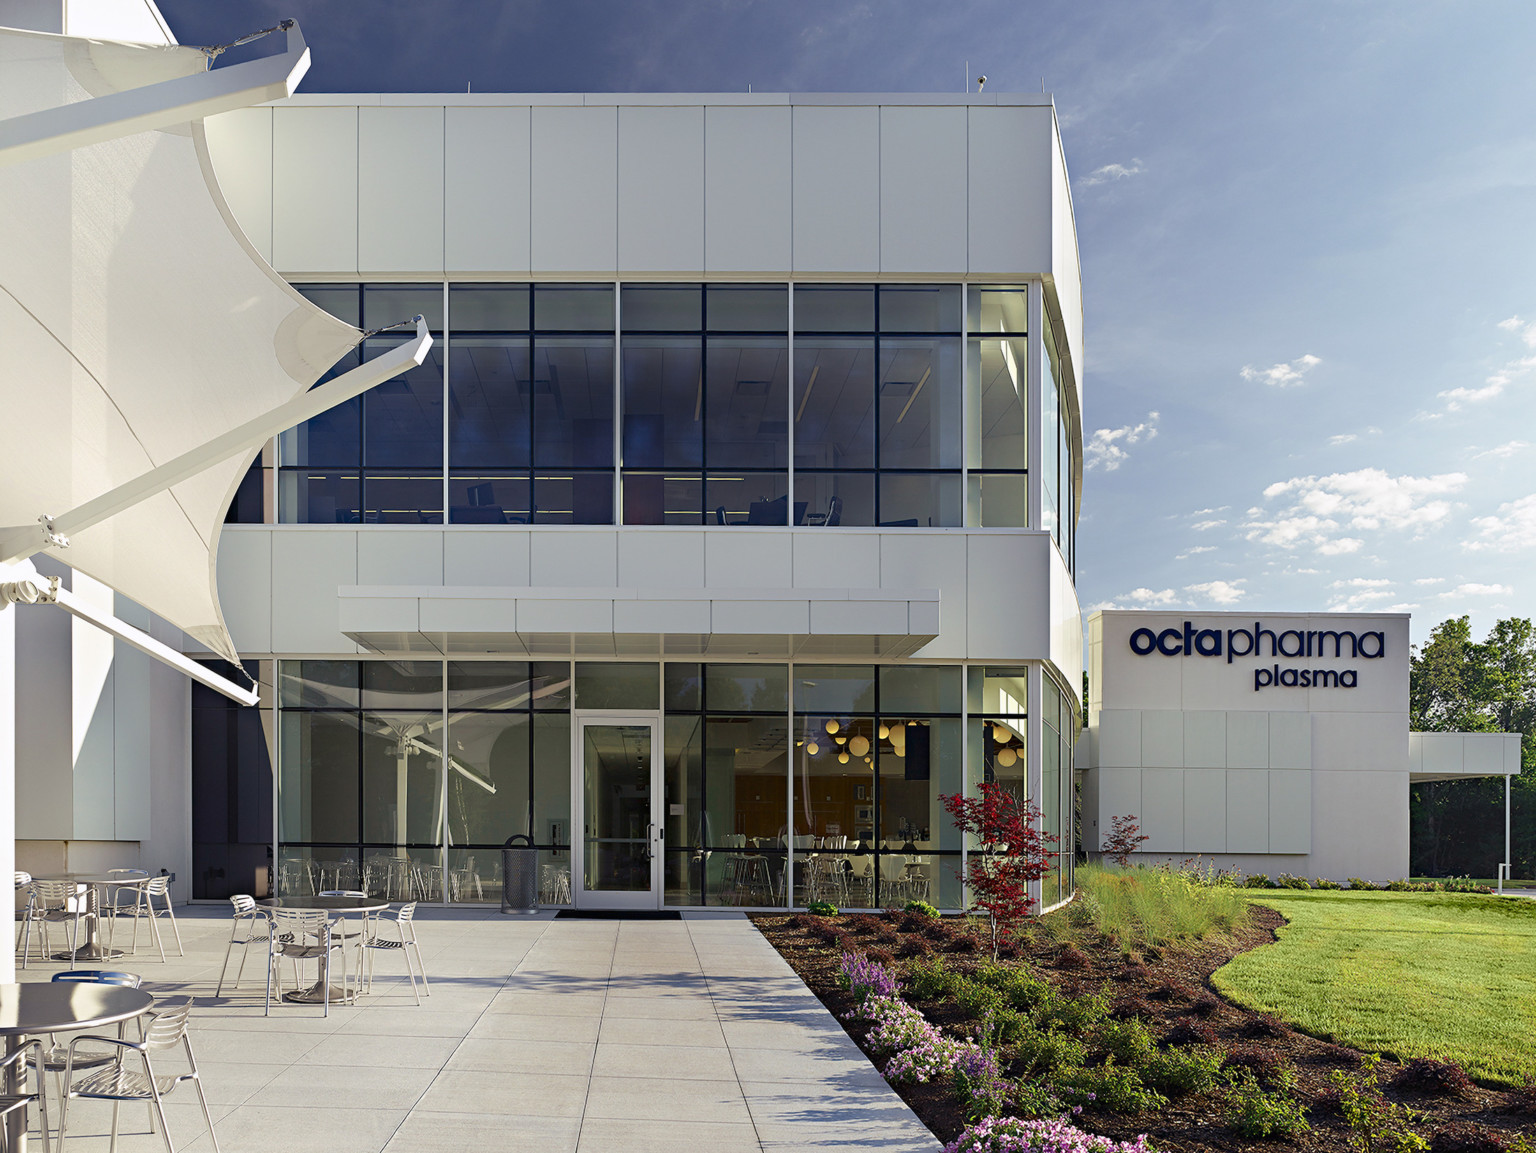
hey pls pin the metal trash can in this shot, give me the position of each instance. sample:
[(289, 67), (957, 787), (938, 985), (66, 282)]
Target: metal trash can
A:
[(519, 876)]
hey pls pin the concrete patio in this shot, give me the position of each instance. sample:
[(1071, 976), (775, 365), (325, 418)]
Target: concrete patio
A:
[(548, 1034)]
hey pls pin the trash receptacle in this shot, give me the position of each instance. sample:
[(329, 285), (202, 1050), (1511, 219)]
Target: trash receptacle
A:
[(519, 875)]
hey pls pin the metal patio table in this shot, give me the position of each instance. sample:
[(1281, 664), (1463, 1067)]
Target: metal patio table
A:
[(93, 882), (57, 1007), (315, 994)]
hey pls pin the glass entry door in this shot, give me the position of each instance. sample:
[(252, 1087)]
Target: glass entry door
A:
[(618, 794)]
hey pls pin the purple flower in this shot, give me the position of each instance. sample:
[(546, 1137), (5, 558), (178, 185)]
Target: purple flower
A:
[(1011, 1135), (867, 979)]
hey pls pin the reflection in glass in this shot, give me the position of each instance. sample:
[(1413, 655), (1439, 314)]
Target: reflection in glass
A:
[(919, 403), (834, 308), (318, 777), (491, 392), (403, 417), (746, 384), (386, 304), (489, 777), (402, 778), (746, 308), (739, 799), (573, 307), (835, 403), (662, 308), (317, 684), (687, 856), (489, 307), (617, 685), (998, 500), (1000, 371), (663, 402), (920, 308), (616, 771), (573, 401), (997, 308)]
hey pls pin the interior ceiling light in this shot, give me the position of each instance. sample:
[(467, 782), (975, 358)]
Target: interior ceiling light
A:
[(1007, 757), (843, 756), (885, 731), (813, 748), (832, 727), (858, 746)]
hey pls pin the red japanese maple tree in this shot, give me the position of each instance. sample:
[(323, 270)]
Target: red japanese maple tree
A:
[(1124, 836), (1011, 851)]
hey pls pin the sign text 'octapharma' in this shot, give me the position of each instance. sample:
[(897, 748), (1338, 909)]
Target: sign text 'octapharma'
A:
[(1291, 643)]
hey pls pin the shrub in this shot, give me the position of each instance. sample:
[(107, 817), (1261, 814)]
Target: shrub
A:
[(1432, 1078), (799, 921), (822, 908), (929, 980), (880, 956), (922, 908), (1072, 1014), (1108, 1087), (1190, 1033), (1124, 1042), (1043, 1051), (826, 932), (1172, 991), (1254, 1113), (1010, 1025), (978, 1000), (1054, 1135), (887, 935), (914, 947), (1398, 886), (1262, 1025), (1358, 883), (1374, 1122), (1128, 1007), (1133, 972), (1179, 1072), (913, 922), (1033, 1099), (1339, 1055), (1071, 957), (1204, 1005), (1084, 912), (866, 978), (1008, 950), (1020, 989), (1267, 1066), (1325, 883), (933, 930), (979, 1081), (1286, 881), (1258, 881), (865, 923), (963, 943)]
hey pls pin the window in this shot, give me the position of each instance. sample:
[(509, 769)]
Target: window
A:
[(997, 441), (877, 405)]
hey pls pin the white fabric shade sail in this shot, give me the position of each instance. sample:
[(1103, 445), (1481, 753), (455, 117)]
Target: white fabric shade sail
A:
[(139, 330)]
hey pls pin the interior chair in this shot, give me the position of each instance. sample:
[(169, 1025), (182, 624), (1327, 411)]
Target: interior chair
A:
[(404, 940), (10, 1102), (834, 512), (53, 903), (252, 918), (300, 935), (116, 1082)]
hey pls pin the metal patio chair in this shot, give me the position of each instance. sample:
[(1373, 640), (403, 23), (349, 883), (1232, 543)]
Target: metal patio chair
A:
[(56, 1053), (53, 903), (10, 1102), (118, 1083), (143, 908), (404, 941), (301, 935), (253, 918)]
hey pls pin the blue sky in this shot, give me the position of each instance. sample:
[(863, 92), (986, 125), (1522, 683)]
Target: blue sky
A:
[(1307, 234)]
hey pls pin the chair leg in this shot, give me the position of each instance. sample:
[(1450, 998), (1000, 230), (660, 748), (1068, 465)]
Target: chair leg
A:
[(171, 913), (230, 948), (42, 1098), (159, 1114), (207, 1116), (245, 951), (154, 928)]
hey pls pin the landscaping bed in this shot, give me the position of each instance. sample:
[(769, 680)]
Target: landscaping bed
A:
[(1075, 1010)]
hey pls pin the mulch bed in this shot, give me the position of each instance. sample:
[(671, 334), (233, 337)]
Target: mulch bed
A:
[(1170, 989)]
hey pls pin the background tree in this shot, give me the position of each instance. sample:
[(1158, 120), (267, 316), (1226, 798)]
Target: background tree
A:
[(1461, 685), (1010, 850)]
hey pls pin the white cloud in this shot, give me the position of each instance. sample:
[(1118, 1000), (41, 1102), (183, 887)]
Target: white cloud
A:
[(1106, 448), (1402, 607), (1477, 590), (1359, 601), (1210, 511), (1218, 592), (1282, 375), (1204, 525), (1430, 581), (1324, 511), (1525, 331), (1111, 172), (1501, 378), (1507, 449), (1342, 438), (1362, 583), (1196, 551), (1513, 528), (1145, 596)]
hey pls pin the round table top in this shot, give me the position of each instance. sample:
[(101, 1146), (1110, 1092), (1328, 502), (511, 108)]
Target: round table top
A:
[(95, 878), (326, 904), (55, 1006)]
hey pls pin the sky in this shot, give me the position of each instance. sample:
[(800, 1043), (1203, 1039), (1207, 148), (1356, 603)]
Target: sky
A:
[(1307, 233)]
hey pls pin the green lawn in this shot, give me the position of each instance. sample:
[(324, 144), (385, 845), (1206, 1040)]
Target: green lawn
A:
[(1406, 974)]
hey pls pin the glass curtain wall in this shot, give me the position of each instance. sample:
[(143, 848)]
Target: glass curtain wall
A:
[(1059, 497), (997, 448), (877, 405), (874, 749), (705, 392)]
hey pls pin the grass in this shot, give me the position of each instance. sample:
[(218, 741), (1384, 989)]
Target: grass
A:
[(1440, 975), (1156, 906)]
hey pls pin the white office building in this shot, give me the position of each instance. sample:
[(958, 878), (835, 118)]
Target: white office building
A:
[(729, 524)]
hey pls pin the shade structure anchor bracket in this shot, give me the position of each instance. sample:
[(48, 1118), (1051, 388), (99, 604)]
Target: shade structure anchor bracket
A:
[(54, 538)]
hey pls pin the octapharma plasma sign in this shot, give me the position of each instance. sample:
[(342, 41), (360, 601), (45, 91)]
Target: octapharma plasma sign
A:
[(1260, 643)]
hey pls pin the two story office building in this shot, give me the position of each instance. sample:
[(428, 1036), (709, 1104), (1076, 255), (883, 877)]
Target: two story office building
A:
[(728, 527)]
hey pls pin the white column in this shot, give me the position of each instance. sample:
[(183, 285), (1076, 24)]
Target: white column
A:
[(7, 767)]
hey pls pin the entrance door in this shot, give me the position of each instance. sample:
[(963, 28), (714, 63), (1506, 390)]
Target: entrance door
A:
[(618, 796)]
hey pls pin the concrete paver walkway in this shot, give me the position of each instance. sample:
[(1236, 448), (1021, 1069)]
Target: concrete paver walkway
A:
[(583, 1035)]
